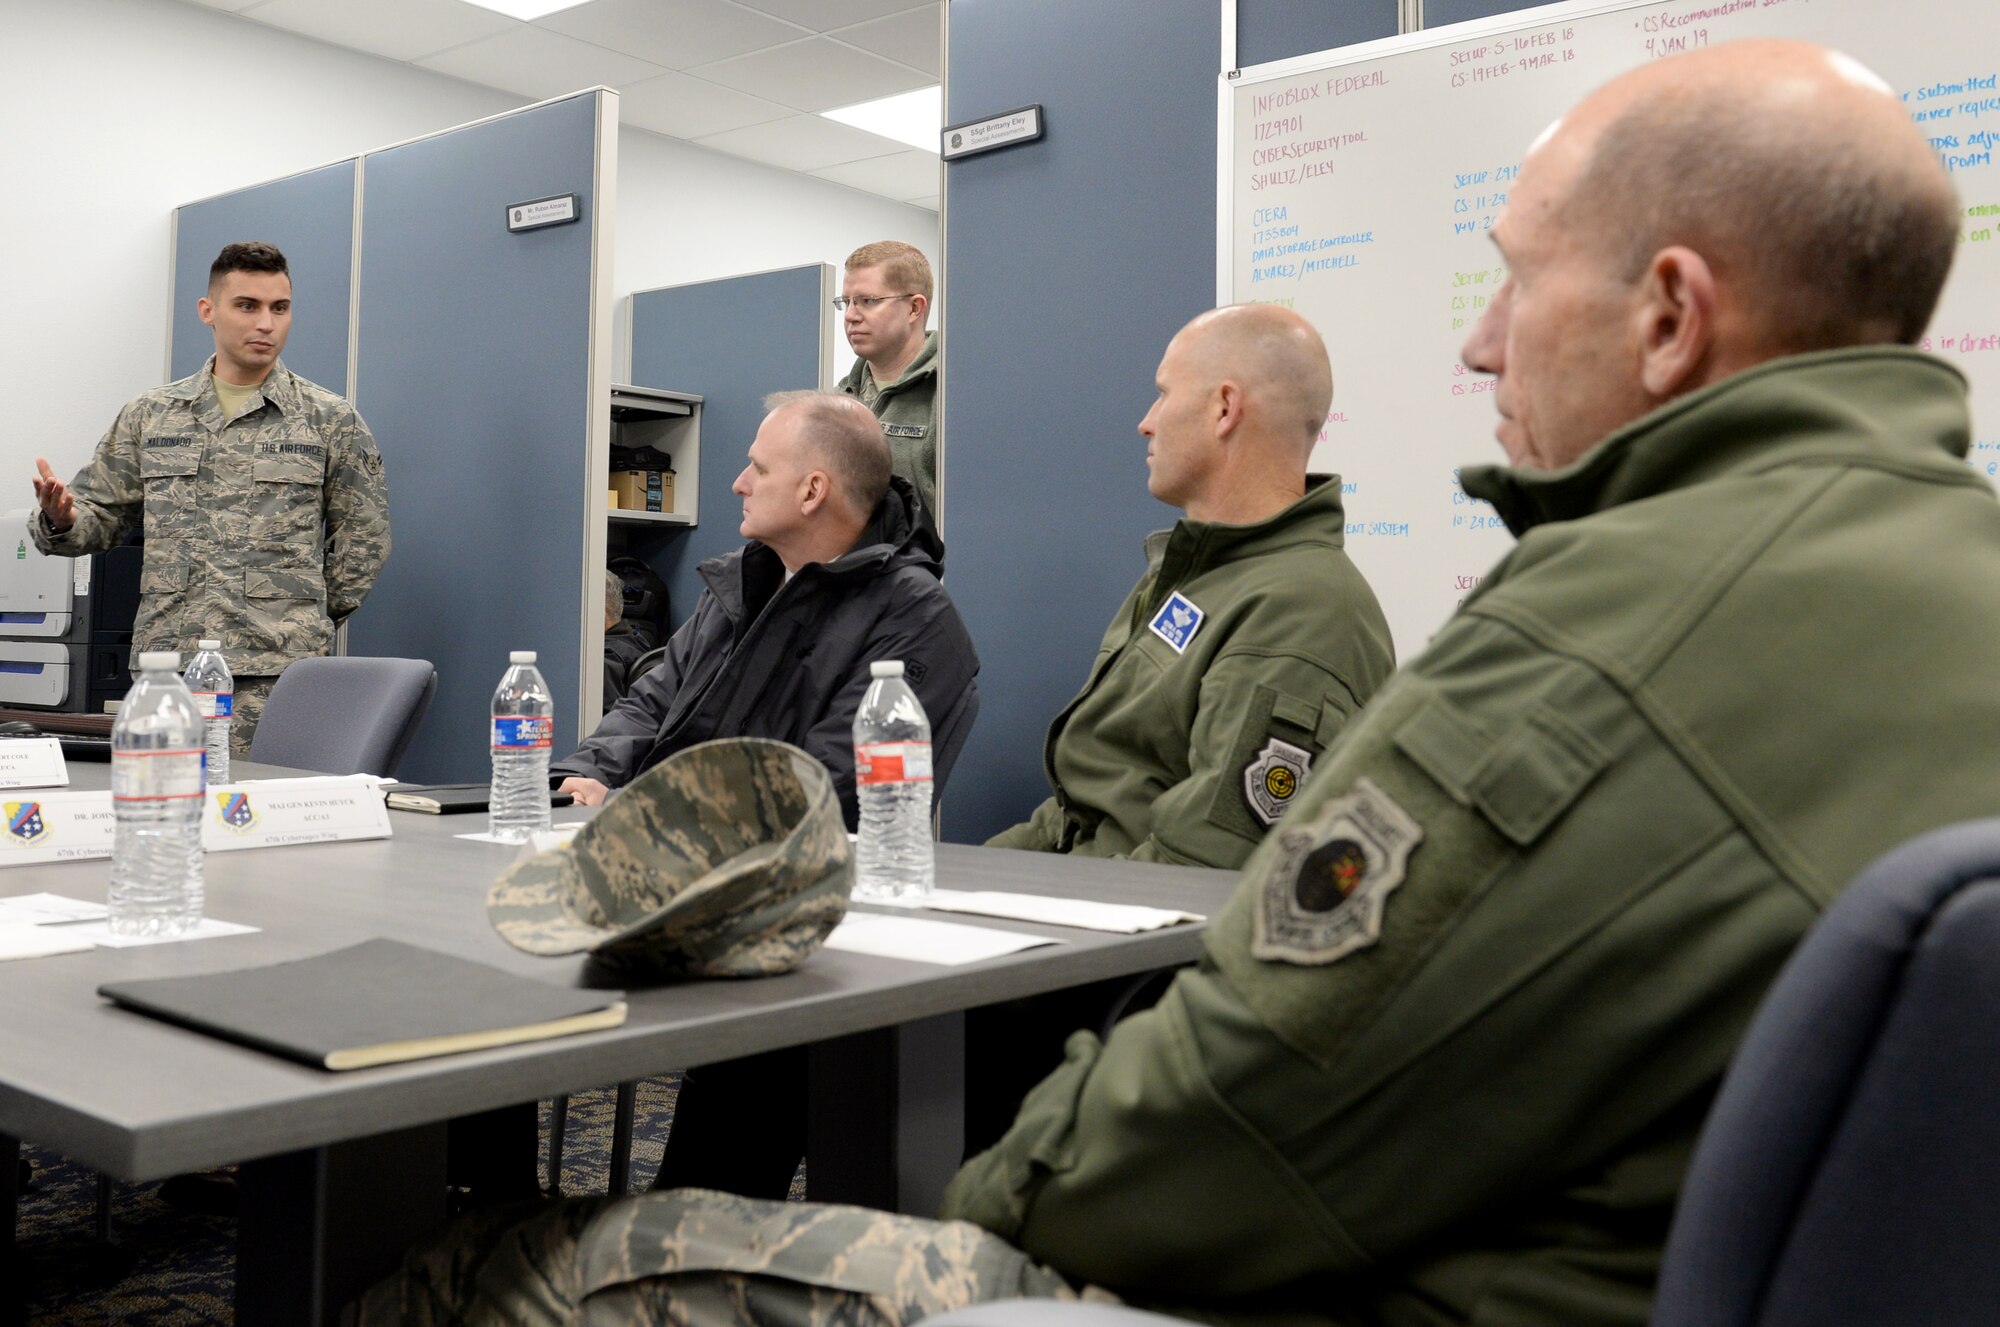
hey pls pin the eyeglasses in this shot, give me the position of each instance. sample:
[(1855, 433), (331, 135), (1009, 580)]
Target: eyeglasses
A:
[(867, 303)]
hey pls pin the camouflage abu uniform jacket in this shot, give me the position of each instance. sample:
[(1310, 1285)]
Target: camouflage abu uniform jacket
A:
[(1237, 658), (907, 408), (1455, 1033), (263, 531)]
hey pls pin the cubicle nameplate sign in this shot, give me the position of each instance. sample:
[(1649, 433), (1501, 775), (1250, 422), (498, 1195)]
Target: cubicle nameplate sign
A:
[(555, 210), (69, 826), (32, 762), (270, 813), (1002, 130)]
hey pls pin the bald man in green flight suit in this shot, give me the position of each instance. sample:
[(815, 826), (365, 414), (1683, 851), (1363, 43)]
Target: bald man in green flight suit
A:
[(1455, 1034)]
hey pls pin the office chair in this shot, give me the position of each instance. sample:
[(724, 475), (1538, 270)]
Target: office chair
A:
[(344, 715), (644, 664), (1847, 1169)]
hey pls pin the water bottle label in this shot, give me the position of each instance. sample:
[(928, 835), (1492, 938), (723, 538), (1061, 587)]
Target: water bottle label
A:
[(523, 734), (215, 704), (892, 762), (156, 776)]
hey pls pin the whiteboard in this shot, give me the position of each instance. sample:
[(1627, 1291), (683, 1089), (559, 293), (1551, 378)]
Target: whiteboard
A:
[(1356, 186)]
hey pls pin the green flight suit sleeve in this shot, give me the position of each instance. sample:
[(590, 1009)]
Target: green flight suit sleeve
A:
[(1499, 1050), (1040, 832), (357, 516), (108, 492), (1250, 699)]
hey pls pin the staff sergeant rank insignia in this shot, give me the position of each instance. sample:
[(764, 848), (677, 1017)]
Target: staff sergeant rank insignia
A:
[(1323, 894), (1272, 777)]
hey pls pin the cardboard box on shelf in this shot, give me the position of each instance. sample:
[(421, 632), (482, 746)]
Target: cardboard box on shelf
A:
[(643, 490)]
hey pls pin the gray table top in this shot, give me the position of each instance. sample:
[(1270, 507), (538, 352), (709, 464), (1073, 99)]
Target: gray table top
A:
[(140, 1099)]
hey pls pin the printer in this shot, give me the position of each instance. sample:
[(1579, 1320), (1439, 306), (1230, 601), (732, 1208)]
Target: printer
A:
[(65, 623)]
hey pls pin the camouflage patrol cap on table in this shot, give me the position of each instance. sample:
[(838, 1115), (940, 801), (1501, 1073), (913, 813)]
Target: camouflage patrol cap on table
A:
[(728, 859)]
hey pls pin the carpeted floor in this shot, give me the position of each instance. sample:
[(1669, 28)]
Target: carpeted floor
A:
[(169, 1268)]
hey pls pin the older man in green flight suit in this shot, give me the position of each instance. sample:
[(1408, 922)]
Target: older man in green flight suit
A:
[(1454, 1035)]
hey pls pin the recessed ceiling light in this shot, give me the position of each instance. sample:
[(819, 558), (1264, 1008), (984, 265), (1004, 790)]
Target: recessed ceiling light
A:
[(527, 10), (915, 118)]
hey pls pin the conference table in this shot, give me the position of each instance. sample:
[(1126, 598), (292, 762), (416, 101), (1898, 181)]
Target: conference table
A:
[(342, 1172)]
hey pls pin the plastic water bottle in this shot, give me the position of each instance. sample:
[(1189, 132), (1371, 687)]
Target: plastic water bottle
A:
[(157, 797), (524, 727), (215, 696), (892, 778)]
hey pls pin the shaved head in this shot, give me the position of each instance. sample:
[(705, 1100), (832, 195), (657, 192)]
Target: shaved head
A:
[(1276, 356), (1792, 169)]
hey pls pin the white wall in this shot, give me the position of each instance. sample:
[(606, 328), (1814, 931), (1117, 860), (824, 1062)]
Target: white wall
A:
[(114, 112)]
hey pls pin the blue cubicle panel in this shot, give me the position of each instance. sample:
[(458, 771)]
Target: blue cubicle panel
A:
[(1437, 13), (731, 342), (1269, 30), (310, 218), (474, 373), (1072, 261)]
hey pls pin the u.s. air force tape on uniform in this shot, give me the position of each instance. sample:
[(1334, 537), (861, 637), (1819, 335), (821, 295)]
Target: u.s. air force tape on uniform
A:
[(1323, 894), (1272, 777)]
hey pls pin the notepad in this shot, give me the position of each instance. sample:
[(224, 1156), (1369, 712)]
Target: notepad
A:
[(449, 799), (378, 1002)]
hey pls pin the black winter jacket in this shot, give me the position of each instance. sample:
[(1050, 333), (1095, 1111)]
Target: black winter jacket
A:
[(766, 657)]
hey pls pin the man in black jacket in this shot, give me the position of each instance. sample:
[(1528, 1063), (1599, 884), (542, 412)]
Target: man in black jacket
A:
[(840, 572)]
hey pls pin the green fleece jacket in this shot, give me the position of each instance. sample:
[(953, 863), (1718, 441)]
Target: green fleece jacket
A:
[(907, 408), (1236, 659), (1454, 1035)]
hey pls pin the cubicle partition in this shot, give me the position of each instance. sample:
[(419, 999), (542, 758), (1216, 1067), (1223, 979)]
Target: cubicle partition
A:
[(730, 342), (476, 359), (310, 217)]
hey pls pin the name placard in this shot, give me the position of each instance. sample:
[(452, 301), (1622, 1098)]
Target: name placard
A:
[(68, 826), (32, 762)]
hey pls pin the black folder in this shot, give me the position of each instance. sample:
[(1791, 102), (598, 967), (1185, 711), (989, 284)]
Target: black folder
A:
[(377, 1002), (448, 799)]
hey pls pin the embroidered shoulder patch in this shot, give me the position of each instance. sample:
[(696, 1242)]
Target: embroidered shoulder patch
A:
[(1272, 777), (1322, 896), (1177, 621)]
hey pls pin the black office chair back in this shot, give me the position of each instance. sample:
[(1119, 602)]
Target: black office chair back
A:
[(1850, 1169), (644, 664), (344, 715)]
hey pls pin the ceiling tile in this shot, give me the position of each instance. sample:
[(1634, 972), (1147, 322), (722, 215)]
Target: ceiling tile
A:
[(674, 33), (912, 38), (826, 15), (804, 142), (538, 64), (814, 75), (688, 107), (903, 176), (399, 29), (237, 5), (927, 204)]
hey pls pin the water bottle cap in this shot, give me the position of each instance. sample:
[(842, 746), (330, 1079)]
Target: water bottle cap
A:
[(151, 659), (886, 668), (208, 645), (521, 656)]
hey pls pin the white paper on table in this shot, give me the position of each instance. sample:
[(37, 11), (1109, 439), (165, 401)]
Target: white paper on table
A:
[(362, 780), (99, 933), (43, 909), (556, 836), (32, 762), (923, 941), (1121, 918), (26, 940)]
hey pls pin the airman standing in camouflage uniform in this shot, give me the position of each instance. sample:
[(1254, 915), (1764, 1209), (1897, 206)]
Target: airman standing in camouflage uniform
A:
[(261, 495), (1455, 1034)]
